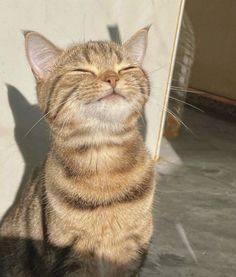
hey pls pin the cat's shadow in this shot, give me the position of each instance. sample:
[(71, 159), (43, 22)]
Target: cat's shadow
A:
[(34, 145)]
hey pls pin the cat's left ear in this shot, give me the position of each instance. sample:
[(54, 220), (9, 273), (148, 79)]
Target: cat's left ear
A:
[(136, 46)]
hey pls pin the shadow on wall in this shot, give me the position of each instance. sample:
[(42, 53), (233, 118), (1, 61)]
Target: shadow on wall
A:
[(33, 146)]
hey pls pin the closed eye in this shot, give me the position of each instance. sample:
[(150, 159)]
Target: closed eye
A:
[(82, 71), (127, 68)]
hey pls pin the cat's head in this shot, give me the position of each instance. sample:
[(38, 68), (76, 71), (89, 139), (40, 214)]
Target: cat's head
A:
[(93, 85)]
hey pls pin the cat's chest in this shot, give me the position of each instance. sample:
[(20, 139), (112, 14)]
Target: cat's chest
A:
[(105, 223), (101, 227), (105, 233)]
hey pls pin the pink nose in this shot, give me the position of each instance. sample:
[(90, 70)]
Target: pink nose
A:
[(111, 78)]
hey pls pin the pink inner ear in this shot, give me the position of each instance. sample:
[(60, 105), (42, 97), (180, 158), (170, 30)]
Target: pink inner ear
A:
[(137, 44), (41, 53)]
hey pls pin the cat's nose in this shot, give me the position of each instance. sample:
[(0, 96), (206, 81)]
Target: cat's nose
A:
[(111, 78)]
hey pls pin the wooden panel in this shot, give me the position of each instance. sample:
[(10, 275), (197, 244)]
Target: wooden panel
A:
[(214, 24)]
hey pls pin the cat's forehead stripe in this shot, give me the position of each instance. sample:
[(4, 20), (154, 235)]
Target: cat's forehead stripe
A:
[(98, 51)]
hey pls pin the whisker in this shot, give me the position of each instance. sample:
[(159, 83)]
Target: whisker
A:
[(69, 116), (180, 121), (175, 88), (157, 69), (172, 88), (178, 100), (186, 103), (174, 116), (68, 100), (37, 122)]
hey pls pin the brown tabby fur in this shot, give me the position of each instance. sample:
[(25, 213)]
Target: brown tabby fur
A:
[(87, 210)]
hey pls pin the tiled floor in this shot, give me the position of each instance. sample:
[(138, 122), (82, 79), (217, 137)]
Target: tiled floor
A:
[(196, 197)]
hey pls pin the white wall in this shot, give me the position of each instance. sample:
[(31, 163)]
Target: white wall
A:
[(65, 22)]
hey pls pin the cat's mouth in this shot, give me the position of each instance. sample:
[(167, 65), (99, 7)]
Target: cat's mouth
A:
[(112, 96)]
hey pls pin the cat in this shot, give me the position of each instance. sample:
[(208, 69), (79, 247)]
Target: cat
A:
[(87, 211)]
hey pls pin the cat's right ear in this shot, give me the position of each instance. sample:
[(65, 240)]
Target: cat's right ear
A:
[(41, 53)]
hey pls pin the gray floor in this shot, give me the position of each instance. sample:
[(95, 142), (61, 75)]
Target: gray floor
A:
[(196, 197)]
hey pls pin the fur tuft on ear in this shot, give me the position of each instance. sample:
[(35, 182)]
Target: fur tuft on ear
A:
[(137, 44), (41, 53)]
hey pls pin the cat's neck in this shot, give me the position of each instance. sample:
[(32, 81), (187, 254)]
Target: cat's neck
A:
[(97, 152), (98, 173)]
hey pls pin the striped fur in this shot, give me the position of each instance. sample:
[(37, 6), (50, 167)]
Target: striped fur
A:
[(87, 210)]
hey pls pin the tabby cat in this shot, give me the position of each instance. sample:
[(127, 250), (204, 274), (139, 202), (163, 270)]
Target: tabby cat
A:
[(87, 210)]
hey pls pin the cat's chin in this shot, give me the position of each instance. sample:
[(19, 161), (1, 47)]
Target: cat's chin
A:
[(110, 109)]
